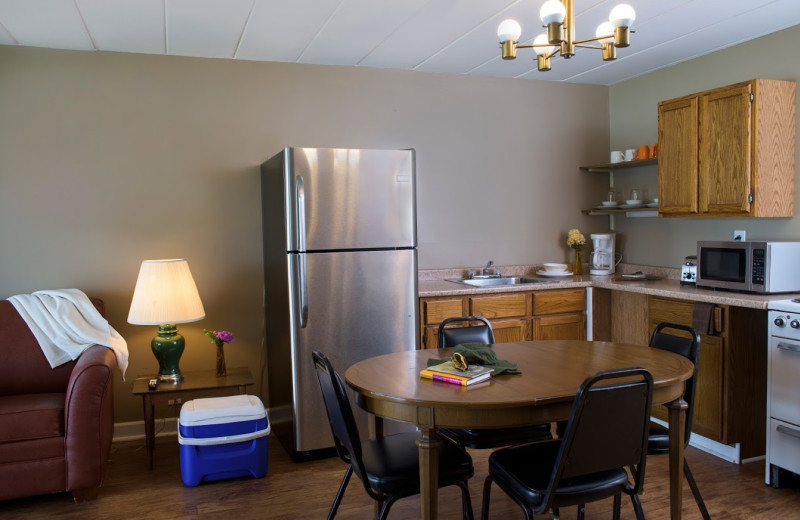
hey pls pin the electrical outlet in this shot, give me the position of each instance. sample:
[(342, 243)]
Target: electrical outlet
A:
[(739, 235), (173, 402)]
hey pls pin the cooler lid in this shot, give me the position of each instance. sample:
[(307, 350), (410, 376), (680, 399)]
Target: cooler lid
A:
[(219, 410)]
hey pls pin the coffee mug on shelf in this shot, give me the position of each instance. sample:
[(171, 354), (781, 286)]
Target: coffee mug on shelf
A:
[(630, 153), (653, 150), (643, 152), (617, 156)]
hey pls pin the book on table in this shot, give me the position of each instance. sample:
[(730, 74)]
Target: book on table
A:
[(448, 373)]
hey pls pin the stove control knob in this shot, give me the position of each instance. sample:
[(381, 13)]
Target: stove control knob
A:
[(794, 324), (779, 322)]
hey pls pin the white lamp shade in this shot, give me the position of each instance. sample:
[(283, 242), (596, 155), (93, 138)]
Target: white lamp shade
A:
[(553, 11), (541, 40), (607, 30), (622, 15), (165, 293), (509, 30)]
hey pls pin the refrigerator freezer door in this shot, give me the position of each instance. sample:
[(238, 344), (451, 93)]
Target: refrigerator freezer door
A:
[(360, 304), (343, 199)]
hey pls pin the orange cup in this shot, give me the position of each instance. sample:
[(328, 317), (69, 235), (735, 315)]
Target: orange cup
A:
[(653, 150), (643, 152)]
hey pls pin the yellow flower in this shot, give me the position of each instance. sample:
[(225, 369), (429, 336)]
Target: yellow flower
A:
[(575, 239)]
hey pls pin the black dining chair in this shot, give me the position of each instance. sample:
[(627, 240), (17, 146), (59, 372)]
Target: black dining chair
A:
[(606, 433), (484, 438), (388, 467), (688, 346)]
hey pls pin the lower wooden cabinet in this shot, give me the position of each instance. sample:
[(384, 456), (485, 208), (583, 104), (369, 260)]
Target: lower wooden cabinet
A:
[(730, 403), (515, 316)]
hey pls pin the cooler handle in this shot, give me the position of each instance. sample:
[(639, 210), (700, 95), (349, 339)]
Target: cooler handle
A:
[(227, 439)]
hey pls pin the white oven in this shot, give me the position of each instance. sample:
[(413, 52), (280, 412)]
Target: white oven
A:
[(783, 390)]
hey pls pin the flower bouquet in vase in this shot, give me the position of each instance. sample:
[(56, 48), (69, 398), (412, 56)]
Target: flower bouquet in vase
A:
[(575, 240), (219, 337)]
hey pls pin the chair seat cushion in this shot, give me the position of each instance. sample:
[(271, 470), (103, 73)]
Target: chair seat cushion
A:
[(658, 440), (497, 437), (524, 471), (31, 416), (393, 461)]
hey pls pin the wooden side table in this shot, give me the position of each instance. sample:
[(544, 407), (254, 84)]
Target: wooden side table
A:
[(202, 383)]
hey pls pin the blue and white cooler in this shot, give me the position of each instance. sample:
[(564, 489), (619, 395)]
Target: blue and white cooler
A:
[(223, 437)]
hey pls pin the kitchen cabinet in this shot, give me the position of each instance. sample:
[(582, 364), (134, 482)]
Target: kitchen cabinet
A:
[(728, 152), (730, 403), (515, 316)]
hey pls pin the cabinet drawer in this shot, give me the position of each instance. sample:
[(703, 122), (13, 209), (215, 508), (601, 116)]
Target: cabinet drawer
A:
[(436, 311), (501, 306), (680, 312), (558, 301)]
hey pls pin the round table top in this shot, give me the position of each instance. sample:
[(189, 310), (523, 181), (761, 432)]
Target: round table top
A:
[(551, 372)]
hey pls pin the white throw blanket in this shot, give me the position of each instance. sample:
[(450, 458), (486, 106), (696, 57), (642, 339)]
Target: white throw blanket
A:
[(65, 322)]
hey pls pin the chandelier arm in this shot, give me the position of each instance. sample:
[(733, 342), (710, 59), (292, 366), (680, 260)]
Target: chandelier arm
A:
[(584, 46), (595, 39)]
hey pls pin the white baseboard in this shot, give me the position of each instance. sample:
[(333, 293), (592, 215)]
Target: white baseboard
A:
[(723, 451), (134, 430)]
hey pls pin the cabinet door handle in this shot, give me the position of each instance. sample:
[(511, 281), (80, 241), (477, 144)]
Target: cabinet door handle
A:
[(717, 319), (788, 431), (788, 346)]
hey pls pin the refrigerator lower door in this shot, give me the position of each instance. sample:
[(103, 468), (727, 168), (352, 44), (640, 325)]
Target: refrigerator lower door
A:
[(359, 305)]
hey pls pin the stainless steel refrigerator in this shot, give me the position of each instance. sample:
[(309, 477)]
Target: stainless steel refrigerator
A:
[(340, 271)]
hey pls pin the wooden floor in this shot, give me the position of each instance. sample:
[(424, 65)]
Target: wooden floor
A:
[(305, 491)]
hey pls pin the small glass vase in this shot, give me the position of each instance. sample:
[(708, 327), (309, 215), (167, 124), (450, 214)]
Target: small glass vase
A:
[(577, 264), (220, 362)]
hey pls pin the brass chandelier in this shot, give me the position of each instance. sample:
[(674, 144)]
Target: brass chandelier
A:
[(559, 18)]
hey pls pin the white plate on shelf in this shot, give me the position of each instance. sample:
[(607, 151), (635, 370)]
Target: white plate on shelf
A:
[(652, 204), (609, 203), (542, 272)]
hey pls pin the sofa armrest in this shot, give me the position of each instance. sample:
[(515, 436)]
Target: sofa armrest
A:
[(89, 417)]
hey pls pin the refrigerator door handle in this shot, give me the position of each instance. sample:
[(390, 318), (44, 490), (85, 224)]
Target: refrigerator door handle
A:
[(303, 291), (300, 204)]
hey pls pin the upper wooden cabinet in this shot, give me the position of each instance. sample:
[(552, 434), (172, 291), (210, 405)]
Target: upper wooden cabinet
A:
[(728, 152)]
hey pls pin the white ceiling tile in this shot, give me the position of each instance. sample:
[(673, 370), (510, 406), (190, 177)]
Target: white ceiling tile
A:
[(356, 29), (443, 36), (45, 23), (126, 26), (279, 30), (210, 28)]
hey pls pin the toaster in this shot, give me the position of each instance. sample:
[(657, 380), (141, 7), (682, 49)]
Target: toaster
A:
[(689, 270)]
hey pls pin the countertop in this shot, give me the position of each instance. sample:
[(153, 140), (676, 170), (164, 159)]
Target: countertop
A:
[(434, 283)]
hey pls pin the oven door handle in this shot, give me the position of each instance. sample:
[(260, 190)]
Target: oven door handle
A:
[(788, 431), (789, 346)]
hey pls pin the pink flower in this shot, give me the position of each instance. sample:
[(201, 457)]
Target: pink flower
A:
[(219, 337)]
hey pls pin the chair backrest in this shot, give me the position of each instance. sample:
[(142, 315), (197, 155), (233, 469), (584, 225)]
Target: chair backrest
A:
[(687, 346), (452, 336), (607, 428), (340, 416)]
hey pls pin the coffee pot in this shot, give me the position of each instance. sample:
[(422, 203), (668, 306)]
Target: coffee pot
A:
[(602, 259)]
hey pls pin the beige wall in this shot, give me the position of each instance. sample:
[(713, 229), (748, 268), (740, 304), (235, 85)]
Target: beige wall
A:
[(108, 159), (634, 120)]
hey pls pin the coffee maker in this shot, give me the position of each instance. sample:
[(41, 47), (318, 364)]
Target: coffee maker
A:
[(602, 260)]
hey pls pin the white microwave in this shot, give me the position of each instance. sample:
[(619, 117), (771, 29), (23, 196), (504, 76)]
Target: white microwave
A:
[(759, 267)]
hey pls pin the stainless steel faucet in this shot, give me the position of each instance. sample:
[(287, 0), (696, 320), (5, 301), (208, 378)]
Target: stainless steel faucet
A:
[(488, 266)]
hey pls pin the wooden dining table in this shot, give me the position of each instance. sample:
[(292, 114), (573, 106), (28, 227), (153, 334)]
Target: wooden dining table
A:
[(390, 387)]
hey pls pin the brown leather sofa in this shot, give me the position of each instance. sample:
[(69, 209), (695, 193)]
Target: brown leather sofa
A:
[(56, 424)]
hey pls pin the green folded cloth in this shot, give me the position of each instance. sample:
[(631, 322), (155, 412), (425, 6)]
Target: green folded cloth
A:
[(480, 354)]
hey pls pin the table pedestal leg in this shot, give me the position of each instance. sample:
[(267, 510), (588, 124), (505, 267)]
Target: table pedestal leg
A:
[(677, 434), (428, 443), (149, 429)]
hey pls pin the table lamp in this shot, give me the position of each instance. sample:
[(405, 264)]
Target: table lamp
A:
[(166, 295)]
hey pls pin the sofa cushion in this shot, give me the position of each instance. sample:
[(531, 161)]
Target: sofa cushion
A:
[(31, 416)]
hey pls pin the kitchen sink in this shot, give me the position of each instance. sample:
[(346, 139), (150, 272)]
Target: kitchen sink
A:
[(501, 280)]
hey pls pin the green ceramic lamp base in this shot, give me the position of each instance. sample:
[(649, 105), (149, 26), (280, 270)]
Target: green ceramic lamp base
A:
[(168, 347)]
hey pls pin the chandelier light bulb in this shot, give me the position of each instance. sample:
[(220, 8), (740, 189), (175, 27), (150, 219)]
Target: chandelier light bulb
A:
[(607, 30), (509, 30), (622, 15), (542, 40), (553, 11)]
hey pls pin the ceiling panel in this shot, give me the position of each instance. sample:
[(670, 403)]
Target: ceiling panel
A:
[(279, 31), (119, 25), (206, 27), (45, 23), (443, 36)]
